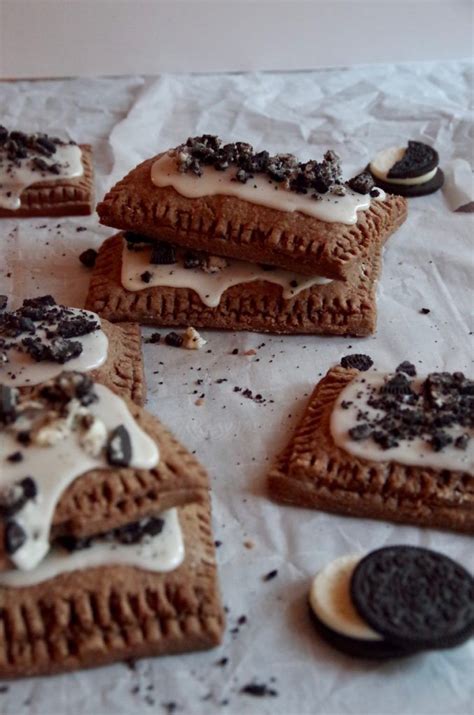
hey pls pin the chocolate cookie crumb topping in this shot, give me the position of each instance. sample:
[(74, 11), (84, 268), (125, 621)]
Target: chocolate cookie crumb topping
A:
[(283, 169), (162, 253), (407, 409), (119, 447), (362, 183), (407, 367)]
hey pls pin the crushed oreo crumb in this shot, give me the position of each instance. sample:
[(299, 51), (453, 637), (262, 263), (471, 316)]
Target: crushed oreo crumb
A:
[(270, 575), (283, 169), (407, 367), (15, 537), (357, 361), (43, 330), (424, 311), (362, 183), (154, 339), (162, 253), (88, 257), (146, 276), (174, 339), (258, 690), (119, 447), (408, 410)]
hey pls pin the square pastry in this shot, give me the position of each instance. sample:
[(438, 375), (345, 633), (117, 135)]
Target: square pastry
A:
[(106, 546), (44, 176), (127, 285), (41, 338), (384, 446), (230, 201)]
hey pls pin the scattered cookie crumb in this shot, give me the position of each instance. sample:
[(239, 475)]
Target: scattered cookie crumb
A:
[(192, 340), (425, 311), (250, 352), (249, 544), (88, 257), (258, 690), (153, 339), (270, 575)]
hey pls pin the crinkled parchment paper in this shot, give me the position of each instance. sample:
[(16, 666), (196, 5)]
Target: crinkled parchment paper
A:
[(428, 264)]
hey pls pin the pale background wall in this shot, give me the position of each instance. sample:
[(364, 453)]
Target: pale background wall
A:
[(58, 38)]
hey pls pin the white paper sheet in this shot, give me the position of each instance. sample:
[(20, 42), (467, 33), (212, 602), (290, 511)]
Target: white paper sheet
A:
[(428, 264)]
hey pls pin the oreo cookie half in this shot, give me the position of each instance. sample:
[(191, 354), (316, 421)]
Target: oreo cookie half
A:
[(415, 598), (336, 619), (408, 171)]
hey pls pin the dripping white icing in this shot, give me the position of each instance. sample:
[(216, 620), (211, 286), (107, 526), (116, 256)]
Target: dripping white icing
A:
[(160, 553), (22, 370), (55, 467), (209, 286), (17, 176), (416, 452), (259, 190)]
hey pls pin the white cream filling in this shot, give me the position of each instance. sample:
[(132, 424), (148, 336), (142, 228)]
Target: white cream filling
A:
[(209, 286), (55, 467), (416, 452), (331, 601), (15, 179), (386, 159), (260, 190), (22, 370), (161, 553)]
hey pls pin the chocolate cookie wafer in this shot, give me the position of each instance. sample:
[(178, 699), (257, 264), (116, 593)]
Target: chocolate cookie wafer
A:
[(393, 447), (78, 460), (230, 201), (42, 338), (44, 176), (327, 307), (93, 616)]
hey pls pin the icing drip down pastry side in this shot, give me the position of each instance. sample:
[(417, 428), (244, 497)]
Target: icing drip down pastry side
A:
[(154, 544), (27, 159), (208, 276), (68, 427)]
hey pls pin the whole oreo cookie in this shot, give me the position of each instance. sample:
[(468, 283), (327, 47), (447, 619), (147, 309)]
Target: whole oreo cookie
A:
[(414, 597)]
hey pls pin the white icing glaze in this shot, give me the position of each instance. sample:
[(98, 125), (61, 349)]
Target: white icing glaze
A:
[(22, 370), (209, 286), (330, 599), (160, 553), (383, 162), (14, 179), (55, 467), (416, 452), (259, 190)]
